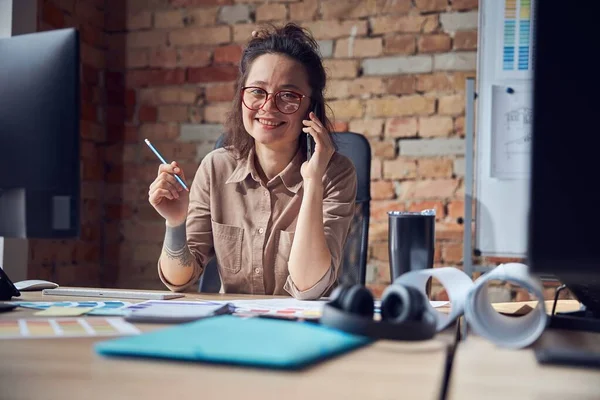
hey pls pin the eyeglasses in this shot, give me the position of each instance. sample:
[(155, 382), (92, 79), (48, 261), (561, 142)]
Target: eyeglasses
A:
[(286, 101)]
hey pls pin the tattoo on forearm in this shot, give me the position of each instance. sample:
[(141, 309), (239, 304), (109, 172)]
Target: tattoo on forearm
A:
[(175, 246), (183, 257)]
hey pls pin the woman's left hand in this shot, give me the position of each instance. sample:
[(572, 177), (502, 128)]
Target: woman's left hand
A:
[(314, 169)]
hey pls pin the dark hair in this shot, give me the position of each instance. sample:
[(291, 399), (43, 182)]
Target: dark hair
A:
[(292, 41)]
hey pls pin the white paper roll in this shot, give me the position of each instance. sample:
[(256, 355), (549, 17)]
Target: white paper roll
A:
[(456, 283), (506, 331), (472, 300)]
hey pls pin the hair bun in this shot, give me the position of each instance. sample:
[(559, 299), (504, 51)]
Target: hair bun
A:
[(289, 30)]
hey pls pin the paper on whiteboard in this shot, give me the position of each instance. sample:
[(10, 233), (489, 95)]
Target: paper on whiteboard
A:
[(511, 131), (505, 330), (472, 299)]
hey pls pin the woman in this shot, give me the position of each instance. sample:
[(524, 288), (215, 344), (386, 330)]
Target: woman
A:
[(276, 222)]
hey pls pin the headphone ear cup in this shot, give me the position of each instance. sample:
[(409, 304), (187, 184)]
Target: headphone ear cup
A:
[(401, 303), (358, 300), (337, 294)]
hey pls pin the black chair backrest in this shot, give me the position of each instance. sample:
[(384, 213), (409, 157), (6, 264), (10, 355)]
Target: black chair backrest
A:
[(354, 263)]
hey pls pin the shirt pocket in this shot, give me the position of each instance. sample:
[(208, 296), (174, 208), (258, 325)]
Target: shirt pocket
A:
[(227, 240), (284, 247)]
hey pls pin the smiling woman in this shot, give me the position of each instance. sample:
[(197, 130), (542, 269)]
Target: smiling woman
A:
[(276, 222)]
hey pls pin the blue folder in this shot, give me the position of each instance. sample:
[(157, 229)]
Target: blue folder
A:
[(228, 339)]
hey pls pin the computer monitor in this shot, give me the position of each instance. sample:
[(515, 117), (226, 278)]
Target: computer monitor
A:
[(39, 135), (564, 221)]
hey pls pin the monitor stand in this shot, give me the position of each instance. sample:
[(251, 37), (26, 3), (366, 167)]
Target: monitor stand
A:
[(580, 356)]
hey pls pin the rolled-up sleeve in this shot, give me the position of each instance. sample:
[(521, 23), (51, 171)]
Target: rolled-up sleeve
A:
[(198, 226), (339, 197)]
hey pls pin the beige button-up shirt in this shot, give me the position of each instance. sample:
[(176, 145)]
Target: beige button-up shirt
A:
[(249, 225)]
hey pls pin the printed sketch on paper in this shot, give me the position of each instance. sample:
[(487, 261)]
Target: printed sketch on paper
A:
[(511, 132)]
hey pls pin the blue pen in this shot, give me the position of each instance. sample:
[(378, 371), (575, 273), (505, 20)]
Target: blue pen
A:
[(161, 158)]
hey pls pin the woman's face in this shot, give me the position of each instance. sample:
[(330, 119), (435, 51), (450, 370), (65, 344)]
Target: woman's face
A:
[(274, 125)]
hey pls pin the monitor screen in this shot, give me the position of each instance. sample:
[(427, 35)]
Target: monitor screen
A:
[(39, 135), (564, 223)]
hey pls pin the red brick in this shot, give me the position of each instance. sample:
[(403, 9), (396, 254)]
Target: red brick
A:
[(380, 209), (174, 151), (89, 111), (438, 81), (401, 127), (463, 5), (358, 48), (332, 29), (223, 73), (405, 24), (451, 105), (121, 133), (367, 127), (429, 188), (376, 169), (66, 5), (170, 95), (400, 169), (93, 170), (230, 54), (271, 12), (459, 126), (121, 97), (402, 85), (155, 77), (431, 5), (393, 106), (418, 206), (92, 56), (200, 36), (452, 252), (194, 57), (220, 91), (90, 74), (137, 21), (304, 11), (449, 231), (435, 126), (118, 211), (435, 168), (380, 251), (216, 112), (199, 3), (53, 15), (400, 44), (86, 11), (378, 231), (341, 68), (163, 58), (334, 9), (159, 132), (92, 35), (456, 209), (434, 43), (172, 113), (465, 40), (91, 130), (384, 149), (147, 114)]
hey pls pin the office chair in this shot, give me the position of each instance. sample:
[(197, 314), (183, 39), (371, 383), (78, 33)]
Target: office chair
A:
[(354, 260)]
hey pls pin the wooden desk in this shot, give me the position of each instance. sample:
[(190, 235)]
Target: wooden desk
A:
[(69, 368), (482, 370)]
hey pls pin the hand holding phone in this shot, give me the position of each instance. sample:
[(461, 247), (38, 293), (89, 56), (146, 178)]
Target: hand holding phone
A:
[(310, 142)]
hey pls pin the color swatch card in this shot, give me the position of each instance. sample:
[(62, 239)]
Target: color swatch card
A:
[(103, 308), (33, 328)]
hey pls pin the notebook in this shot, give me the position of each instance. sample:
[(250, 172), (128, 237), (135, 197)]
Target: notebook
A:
[(227, 339)]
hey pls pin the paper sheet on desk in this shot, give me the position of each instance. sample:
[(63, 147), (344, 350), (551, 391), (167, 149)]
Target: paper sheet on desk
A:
[(471, 299)]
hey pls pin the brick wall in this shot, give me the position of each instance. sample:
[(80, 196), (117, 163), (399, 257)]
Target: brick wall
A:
[(165, 70), (396, 74), (78, 262)]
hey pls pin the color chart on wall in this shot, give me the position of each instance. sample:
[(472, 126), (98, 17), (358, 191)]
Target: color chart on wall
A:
[(36, 328), (517, 39)]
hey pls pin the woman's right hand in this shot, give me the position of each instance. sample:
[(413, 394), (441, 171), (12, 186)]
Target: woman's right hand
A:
[(167, 196)]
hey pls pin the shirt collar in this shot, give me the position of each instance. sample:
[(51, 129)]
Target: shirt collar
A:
[(290, 176)]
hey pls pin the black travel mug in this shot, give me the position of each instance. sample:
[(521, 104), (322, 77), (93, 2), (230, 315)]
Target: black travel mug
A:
[(411, 241)]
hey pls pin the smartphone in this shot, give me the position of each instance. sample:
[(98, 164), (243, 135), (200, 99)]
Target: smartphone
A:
[(310, 142)]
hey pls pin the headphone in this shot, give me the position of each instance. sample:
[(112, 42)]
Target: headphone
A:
[(405, 314)]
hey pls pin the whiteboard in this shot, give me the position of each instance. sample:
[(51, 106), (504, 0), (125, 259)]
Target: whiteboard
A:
[(503, 121)]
